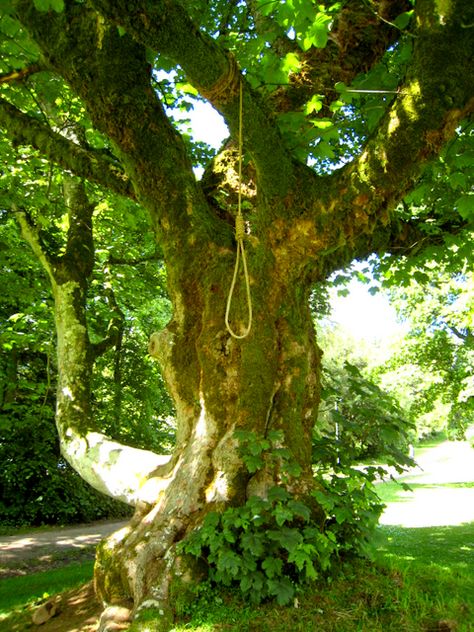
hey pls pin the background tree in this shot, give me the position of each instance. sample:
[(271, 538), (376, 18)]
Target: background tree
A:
[(432, 370), (295, 64)]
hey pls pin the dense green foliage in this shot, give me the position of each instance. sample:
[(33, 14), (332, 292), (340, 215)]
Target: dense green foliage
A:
[(433, 371), (270, 547), (362, 419)]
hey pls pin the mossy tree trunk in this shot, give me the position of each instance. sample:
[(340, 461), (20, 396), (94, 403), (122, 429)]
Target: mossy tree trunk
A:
[(302, 228)]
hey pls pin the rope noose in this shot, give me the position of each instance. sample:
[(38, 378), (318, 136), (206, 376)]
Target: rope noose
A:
[(239, 237)]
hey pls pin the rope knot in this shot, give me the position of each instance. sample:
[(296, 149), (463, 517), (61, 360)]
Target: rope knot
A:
[(239, 227)]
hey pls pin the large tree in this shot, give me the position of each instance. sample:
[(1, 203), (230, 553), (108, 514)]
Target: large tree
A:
[(294, 62)]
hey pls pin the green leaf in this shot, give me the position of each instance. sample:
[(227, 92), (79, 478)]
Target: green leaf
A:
[(246, 583), (300, 509), (421, 277), (211, 520), (288, 538), (253, 542), (403, 20), (317, 34), (278, 493), (46, 5), (253, 463), (187, 88), (6, 7), (465, 206), (314, 104), (229, 562), (282, 589), (272, 566), (458, 180), (275, 436), (291, 63), (41, 5), (282, 514)]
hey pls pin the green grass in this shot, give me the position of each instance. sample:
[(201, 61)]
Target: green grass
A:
[(450, 547), (18, 591), (6, 530), (363, 598), (393, 492), (420, 578)]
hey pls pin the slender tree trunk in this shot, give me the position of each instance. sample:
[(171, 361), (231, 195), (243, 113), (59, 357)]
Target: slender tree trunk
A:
[(117, 378)]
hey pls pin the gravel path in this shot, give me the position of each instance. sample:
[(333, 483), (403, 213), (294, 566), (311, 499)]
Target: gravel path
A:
[(44, 546)]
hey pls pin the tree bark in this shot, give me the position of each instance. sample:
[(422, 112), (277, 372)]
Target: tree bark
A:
[(269, 381), (114, 469)]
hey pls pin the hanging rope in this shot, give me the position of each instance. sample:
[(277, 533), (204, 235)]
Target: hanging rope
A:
[(239, 237)]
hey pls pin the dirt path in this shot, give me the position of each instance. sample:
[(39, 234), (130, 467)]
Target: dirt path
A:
[(31, 551)]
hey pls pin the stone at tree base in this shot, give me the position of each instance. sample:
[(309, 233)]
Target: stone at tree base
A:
[(45, 612), (114, 618)]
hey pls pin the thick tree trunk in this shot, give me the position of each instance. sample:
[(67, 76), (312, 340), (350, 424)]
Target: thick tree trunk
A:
[(268, 381)]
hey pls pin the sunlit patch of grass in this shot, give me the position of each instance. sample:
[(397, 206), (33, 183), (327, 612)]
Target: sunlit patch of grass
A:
[(450, 547), (390, 596), (16, 591), (436, 566)]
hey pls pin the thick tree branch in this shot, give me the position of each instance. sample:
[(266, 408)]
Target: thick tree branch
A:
[(128, 474), (437, 96), (26, 130), (166, 28), (353, 210), (361, 35), (110, 73)]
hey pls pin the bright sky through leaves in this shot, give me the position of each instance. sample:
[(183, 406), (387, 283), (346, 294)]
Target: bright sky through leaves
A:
[(364, 315)]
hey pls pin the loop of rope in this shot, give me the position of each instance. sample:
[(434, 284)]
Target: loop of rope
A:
[(239, 237), (225, 88)]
